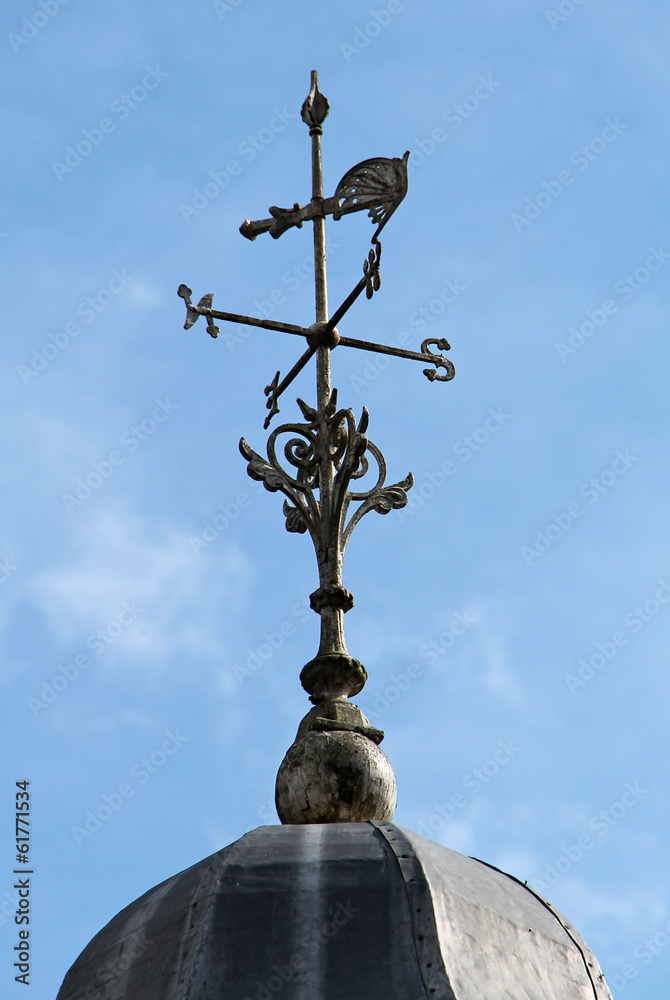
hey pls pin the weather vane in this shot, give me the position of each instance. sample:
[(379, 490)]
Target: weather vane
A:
[(329, 452)]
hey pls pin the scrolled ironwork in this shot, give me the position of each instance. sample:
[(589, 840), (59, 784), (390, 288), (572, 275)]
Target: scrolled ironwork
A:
[(332, 437), (438, 360), (380, 498)]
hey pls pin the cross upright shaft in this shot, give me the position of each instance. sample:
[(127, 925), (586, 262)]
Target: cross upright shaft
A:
[(320, 277), (314, 112)]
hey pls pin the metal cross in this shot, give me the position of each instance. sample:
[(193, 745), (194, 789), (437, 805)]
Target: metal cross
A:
[(332, 449)]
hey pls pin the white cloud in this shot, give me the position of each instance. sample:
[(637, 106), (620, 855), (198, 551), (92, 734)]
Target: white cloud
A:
[(143, 294), (517, 862), (498, 678), (177, 598), (638, 911)]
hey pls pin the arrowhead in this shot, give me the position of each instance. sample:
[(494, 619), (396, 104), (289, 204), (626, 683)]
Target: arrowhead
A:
[(316, 107)]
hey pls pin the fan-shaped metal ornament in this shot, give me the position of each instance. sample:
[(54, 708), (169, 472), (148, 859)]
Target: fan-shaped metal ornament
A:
[(378, 185)]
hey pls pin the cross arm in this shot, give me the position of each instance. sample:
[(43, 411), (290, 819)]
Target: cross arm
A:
[(285, 218), (324, 334), (204, 308), (371, 282), (426, 355), (275, 389)]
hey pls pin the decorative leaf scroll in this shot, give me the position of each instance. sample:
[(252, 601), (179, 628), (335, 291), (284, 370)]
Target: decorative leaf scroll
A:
[(294, 519), (272, 404), (373, 279), (337, 439), (378, 184)]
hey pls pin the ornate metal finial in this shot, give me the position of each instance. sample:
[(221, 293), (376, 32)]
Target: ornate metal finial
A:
[(335, 770), (315, 107)]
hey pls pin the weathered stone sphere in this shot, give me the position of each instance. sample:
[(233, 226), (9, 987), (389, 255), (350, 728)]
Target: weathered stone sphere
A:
[(335, 777)]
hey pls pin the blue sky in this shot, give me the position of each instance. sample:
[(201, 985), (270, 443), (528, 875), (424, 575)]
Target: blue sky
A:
[(518, 607)]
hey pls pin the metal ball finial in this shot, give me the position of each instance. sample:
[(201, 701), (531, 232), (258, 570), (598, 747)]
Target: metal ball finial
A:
[(335, 771)]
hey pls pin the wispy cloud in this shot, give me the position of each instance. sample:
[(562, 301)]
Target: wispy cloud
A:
[(118, 558)]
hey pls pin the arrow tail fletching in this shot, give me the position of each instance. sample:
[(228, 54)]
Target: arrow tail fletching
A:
[(378, 185)]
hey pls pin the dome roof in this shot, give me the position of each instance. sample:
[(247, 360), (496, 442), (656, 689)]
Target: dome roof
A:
[(337, 911)]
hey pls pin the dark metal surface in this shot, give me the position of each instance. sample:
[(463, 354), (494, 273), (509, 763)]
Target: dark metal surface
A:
[(424, 926), (499, 940), (596, 978), (348, 911)]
